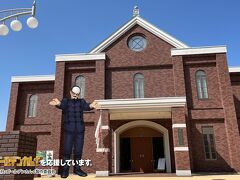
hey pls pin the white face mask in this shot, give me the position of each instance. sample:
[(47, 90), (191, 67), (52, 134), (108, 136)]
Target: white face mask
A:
[(76, 90), (75, 93), (74, 96)]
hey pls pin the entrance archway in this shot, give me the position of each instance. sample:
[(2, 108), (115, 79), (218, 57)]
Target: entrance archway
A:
[(141, 123)]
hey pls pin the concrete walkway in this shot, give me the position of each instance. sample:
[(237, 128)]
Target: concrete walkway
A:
[(194, 177)]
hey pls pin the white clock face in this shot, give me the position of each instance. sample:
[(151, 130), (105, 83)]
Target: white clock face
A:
[(137, 43)]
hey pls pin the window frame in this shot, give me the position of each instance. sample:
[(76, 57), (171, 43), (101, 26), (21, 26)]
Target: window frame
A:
[(196, 78), (133, 37), (209, 144), (34, 115), (82, 89), (180, 131), (139, 84)]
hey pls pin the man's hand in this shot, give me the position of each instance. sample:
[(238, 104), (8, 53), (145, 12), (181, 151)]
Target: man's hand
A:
[(54, 102), (94, 105)]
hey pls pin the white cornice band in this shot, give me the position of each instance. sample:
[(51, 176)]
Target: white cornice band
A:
[(159, 102), (198, 50), (234, 69), (80, 57), (35, 78)]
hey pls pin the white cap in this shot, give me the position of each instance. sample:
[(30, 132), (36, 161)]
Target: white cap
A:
[(76, 90)]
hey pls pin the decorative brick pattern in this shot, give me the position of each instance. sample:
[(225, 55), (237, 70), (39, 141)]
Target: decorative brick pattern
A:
[(17, 143)]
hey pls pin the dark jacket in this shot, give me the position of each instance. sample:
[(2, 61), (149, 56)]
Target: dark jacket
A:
[(73, 114)]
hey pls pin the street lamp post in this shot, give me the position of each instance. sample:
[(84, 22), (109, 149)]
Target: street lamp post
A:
[(16, 25)]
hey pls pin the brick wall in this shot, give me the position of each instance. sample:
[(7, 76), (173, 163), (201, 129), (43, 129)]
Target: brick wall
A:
[(222, 162), (41, 124), (17, 143), (157, 83), (235, 82), (207, 64)]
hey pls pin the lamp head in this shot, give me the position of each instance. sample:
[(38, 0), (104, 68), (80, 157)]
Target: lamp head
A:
[(16, 25), (3, 30), (32, 22)]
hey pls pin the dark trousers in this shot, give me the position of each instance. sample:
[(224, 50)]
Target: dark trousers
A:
[(76, 140)]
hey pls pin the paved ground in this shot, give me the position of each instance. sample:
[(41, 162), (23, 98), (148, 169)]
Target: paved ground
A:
[(194, 177)]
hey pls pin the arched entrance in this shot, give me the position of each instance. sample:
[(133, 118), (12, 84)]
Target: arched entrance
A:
[(141, 123)]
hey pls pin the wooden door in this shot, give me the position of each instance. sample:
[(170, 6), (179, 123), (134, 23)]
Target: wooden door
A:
[(141, 153)]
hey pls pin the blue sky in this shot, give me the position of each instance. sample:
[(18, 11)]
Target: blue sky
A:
[(75, 26)]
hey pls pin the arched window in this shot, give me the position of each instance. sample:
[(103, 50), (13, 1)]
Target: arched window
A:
[(202, 89), (80, 81), (32, 108), (138, 85)]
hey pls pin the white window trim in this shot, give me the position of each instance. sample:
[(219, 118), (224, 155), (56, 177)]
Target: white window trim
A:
[(106, 127), (102, 150), (179, 126)]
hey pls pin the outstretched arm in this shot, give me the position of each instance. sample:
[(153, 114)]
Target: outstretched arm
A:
[(57, 103), (88, 106)]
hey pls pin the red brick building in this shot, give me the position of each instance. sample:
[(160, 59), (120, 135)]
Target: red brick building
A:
[(161, 100)]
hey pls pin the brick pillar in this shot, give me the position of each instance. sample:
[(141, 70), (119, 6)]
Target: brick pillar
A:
[(57, 118), (178, 75), (103, 152), (181, 150), (230, 116), (100, 83), (182, 154), (12, 107), (17, 143)]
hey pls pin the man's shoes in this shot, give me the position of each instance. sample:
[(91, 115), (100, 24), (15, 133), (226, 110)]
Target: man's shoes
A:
[(79, 172), (65, 169), (65, 172)]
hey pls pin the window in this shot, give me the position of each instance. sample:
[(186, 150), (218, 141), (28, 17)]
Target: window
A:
[(138, 86), (202, 90), (32, 108), (209, 144), (80, 81), (180, 137), (137, 43)]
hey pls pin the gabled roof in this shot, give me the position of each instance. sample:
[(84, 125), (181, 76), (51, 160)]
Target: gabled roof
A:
[(146, 25)]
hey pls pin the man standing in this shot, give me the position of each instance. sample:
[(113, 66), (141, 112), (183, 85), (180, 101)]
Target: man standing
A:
[(74, 127)]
